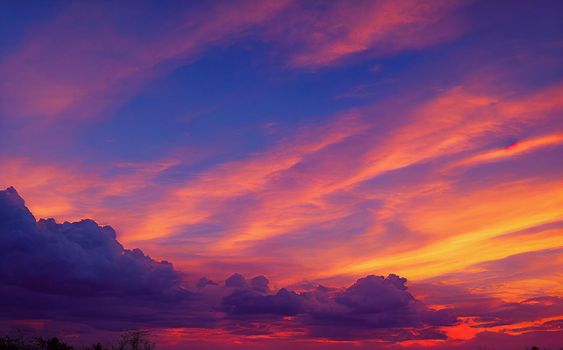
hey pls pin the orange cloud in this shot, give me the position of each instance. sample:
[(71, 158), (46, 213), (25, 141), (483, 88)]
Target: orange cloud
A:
[(68, 192), (515, 149), (308, 184), (291, 190), (378, 28), (452, 123)]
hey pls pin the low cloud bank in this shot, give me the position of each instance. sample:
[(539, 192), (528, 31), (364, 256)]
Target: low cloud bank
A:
[(78, 272)]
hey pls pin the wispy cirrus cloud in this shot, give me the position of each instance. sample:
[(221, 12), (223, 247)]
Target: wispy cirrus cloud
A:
[(512, 278), (67, 71), (515, 149), (50, 184), (461, 117), (309, 184), (77, 67), (374, 28)]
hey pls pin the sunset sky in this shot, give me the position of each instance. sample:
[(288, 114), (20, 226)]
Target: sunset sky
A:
[(310, 143)]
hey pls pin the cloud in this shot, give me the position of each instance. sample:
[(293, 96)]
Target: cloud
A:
[(248, 302), (325, 35), (373, 303), (528, 274), (515, 149), (80, 258), (79, 271), (308, 184), (323, 179), (376, 294), (65, 70), (366, 309)]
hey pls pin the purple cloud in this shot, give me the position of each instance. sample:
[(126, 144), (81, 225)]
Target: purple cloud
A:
[(373, 307), (80, 272), (79, 258), (248, 302)]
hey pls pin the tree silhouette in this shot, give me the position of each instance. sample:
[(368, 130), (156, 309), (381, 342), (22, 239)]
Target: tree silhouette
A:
[(37, 343), (134, 340)]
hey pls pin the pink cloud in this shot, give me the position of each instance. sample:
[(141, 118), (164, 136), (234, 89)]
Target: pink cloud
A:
[(78, 65), (315, 179), (65, 70), (374, 27)]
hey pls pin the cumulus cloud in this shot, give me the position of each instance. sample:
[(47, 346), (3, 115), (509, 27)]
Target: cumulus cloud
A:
[(373, 307), (370, 307), (79, 258), (79, 271), (248, 302)]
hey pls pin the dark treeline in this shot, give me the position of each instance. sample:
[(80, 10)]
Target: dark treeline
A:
[(133, 340)]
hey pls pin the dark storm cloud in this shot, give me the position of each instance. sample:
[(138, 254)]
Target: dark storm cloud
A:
[(79, 272)]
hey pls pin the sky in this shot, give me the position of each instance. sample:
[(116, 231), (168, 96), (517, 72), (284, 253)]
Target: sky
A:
[(327, 174)]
